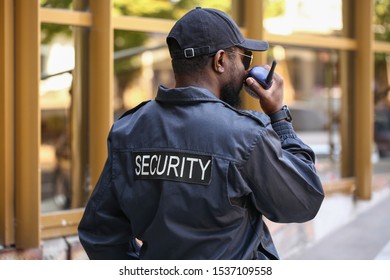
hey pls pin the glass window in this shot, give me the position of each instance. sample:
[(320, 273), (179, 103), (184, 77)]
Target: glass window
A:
[(78, 5), (381, 156), (318, 17), (382, 20), (313, 93), (63, 118), (141, 63)]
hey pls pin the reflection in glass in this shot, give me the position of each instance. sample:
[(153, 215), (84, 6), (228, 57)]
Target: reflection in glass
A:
[(62, 119), (312, 91), (381, 157), (139, 68)]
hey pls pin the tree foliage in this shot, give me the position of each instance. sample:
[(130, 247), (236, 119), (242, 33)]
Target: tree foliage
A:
[(382, 20), (382, 31), (274, 8)]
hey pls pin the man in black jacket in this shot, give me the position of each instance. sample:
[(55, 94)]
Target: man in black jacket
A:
[(188, 175)]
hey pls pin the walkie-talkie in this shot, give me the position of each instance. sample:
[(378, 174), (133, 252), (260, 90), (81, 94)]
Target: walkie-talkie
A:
[(262, 76)]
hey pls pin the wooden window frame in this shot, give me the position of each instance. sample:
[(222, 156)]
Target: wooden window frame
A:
[(6, 123)]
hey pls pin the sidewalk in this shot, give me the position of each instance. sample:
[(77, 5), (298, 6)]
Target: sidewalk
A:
[(365, 236)]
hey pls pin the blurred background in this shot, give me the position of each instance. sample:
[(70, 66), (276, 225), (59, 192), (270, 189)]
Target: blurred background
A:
[(69, 68)]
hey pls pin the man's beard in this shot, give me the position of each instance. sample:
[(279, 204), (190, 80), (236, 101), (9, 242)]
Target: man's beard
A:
[(231, 94)]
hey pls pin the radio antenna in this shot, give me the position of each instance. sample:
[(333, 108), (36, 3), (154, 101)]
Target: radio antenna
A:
[(270, 75)]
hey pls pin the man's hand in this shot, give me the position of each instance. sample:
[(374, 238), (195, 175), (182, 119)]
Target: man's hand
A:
[(271, 100)]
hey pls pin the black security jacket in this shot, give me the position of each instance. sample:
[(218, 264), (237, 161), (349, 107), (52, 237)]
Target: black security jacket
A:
[(191, 178)]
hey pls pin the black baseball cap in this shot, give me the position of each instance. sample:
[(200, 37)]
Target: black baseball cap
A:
[(204, 31)]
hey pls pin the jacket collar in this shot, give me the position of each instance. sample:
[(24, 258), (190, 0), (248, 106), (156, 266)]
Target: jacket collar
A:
[(189, 94)]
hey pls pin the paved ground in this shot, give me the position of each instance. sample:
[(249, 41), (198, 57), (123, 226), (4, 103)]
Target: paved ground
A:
[(365, 237)]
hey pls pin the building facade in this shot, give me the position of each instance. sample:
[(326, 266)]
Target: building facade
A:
[(67, 72)]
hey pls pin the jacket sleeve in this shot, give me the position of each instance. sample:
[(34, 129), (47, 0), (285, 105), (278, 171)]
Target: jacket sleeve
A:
[(281, 174), (104, 231)]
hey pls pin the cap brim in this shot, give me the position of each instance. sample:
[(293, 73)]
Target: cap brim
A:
[(254, 45)]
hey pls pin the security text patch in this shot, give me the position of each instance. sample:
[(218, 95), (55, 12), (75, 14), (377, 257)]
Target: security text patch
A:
[(177, 166)]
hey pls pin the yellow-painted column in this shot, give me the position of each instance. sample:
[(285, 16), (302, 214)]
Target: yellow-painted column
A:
[(79, 112), (254, 15), (346, 84), (101, 85), (27, 129), (364, 98), (6, 123)]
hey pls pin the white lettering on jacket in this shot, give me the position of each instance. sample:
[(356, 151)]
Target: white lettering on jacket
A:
[(177, 166)]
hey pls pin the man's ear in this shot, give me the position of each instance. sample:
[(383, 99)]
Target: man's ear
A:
[(219, 61)]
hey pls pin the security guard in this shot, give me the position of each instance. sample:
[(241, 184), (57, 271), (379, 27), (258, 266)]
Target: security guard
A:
[(189, 176)]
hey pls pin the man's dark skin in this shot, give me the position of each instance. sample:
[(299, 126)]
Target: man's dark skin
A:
[(226, 69)]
